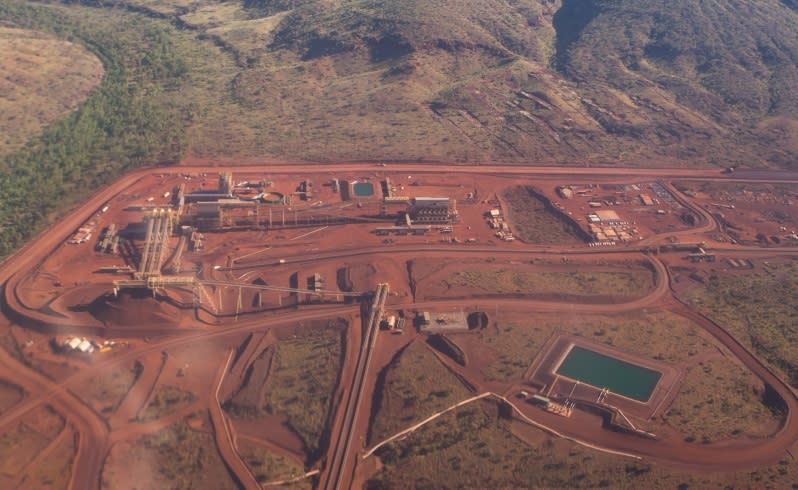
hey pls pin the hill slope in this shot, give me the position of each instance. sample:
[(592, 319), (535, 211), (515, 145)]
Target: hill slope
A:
[(629, 82), (605, 81), (41, 78)]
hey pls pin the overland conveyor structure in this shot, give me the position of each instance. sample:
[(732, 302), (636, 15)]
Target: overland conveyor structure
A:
[(154, 283), (337, 473)]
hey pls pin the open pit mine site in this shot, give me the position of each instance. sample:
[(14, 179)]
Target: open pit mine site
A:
[(374, 325)]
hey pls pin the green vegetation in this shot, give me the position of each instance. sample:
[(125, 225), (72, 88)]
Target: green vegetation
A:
[(173, 457), (295, 378), (663, 336), (128, 121), (571, 284), (166, 400), (49, 473), (414, 386), (534, 220), (473, 447), (759, 309), (270, 466), (304, 376), (735, 190), (43, 78), (660, 335), (248, 400), (19, 446), (717, 400), (726, 64), (515, 347)]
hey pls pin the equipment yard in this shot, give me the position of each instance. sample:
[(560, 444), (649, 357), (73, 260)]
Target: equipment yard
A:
[(253, 326)]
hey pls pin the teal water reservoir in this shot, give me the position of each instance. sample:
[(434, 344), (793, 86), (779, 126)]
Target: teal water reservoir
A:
[(602, 371), (363, 189)]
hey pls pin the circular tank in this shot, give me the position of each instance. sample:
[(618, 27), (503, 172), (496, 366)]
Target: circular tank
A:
[(272, 197)]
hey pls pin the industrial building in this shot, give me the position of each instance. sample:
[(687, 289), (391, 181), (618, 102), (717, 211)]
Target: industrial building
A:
[(608, 216), (226, 183), (206, 196), (403, 230), (80, 345), (432, 210)]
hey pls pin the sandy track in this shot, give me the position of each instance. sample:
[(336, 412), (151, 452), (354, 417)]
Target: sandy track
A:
[(225, 437), (66, 431), (93, 432), (136, 429), (137, 395)]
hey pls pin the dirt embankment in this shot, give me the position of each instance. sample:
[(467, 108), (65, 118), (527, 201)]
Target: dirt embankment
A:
[(443, 344)]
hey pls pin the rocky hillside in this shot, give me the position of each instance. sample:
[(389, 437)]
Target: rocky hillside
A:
[(602, 81), (617, 82)]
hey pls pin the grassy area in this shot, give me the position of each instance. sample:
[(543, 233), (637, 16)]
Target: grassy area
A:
[(10, 344), (43, 78), (21, 443), (414, 386), (717, 401), (247, 401), (305, 373), (10, 395), (19, 446), (533, 220), (463, 80), (514, 348), (571, 284), (475, 448), (132, 118), (667, 44), (724, 191), (50, 473), (167, 399), (759, 309), (663, 336), (173, 457), (270, 466), (106, 391)]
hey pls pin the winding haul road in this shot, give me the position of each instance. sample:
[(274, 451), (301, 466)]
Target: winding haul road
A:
[(93, 442)]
